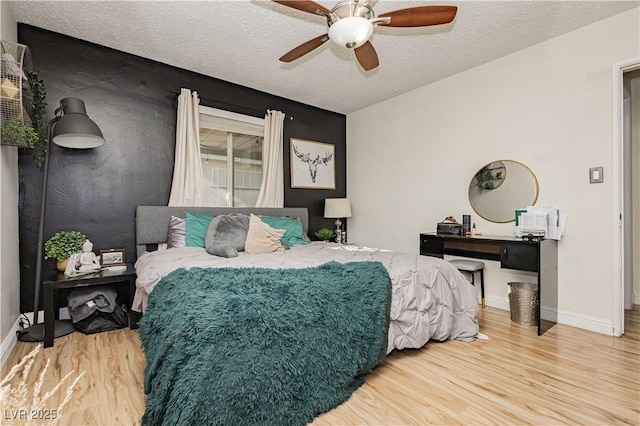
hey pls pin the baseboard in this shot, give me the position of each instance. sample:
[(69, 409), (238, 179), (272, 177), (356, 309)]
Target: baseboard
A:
[(636, 298), (586, 322), (573, 319), (29, 316), (8, 342), (497, 302)]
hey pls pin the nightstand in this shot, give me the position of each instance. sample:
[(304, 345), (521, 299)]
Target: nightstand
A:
[(60, 282)]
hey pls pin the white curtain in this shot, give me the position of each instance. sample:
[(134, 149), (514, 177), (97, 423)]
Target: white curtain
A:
[(272, 189), (187, 188)]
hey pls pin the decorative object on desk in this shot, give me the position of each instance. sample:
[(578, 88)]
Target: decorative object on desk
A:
[(62, 245), (312, 165), (337, 208), (112, 257), (324, 234), (83, 263), (449, 226), (70, 128), (500, 187), (88, 261), (466, 224), (474, 231)]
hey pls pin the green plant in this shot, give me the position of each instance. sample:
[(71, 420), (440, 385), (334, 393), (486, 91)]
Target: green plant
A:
[(63, 244), (15, 133), (38, 104), (483, 175), (324, 234)]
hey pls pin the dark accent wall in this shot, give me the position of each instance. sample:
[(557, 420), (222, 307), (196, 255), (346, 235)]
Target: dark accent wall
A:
[(134, 101)]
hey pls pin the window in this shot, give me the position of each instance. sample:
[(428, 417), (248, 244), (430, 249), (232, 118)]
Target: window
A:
[(231, 155)]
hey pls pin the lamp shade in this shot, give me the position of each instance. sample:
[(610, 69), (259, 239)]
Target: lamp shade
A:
[(351, 32), (337, 208), (74, 129)]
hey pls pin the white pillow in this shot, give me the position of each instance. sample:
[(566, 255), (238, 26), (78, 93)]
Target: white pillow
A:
[(262, 238), (177, 232)]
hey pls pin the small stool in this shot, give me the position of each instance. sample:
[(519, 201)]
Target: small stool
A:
[(471, 266)]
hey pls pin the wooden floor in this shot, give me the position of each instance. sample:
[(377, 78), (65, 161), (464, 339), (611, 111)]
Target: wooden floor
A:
[(568, 376)]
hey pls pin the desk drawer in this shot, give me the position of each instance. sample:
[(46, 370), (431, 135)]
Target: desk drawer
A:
[(431, 246), (519, 255)]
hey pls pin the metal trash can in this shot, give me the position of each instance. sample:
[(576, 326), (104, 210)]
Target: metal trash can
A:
[(523, 303)]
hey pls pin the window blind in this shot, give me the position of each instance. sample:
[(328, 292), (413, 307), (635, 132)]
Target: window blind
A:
[(217, 119)]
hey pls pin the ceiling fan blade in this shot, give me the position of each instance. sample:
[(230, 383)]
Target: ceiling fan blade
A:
[(304, 48), (304, 5), (420, 16), (367, 56)]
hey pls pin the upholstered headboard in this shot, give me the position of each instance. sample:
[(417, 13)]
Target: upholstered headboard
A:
[(152, 222)]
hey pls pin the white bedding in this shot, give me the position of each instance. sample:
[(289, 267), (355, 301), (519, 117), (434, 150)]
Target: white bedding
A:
[(430, 298)]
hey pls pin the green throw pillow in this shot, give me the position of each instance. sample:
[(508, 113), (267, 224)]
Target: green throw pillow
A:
[(294, 232), (196, 229)]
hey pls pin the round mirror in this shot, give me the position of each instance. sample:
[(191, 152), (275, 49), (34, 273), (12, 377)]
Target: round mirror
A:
[(501, 187)]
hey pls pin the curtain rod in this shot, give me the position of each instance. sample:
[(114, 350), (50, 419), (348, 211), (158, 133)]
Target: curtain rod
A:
[(228, 104)]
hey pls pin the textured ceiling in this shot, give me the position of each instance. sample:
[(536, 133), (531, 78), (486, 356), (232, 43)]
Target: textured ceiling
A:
[(240, 41)]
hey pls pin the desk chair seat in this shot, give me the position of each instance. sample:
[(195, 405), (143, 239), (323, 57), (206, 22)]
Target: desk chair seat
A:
[(471, 267)]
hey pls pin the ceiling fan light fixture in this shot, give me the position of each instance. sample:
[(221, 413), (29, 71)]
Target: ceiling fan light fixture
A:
[(351, 32)]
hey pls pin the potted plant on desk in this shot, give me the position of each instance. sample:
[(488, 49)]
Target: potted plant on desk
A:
[(62, 245)]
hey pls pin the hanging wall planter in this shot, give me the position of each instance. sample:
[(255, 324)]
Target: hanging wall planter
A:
[(22, 101)]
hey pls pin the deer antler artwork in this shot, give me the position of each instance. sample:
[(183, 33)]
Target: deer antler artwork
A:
[(313, 161)]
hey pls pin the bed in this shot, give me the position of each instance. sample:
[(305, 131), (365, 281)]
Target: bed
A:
[(279, 337)]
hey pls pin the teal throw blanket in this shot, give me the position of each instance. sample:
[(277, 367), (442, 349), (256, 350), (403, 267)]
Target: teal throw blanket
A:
[(254, 346)]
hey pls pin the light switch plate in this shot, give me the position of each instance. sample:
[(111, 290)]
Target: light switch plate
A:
[(596, 175)]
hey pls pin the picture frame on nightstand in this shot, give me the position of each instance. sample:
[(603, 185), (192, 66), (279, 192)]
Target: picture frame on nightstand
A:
[(112, 257)]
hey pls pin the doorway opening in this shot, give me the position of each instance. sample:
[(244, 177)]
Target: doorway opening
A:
[(626, 171)]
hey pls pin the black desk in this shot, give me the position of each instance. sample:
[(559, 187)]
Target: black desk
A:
[(513, 253), (60, 281)]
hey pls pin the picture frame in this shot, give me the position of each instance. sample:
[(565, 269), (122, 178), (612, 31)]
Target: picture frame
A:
[(312, 164), (112, 257)]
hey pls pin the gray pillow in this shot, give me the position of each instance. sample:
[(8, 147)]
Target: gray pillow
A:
[(229, 229), (222, 250)]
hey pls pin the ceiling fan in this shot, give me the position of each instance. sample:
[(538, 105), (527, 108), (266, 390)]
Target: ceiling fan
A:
[(351, 25)]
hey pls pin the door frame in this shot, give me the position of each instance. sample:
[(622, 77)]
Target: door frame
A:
[(618, 70)]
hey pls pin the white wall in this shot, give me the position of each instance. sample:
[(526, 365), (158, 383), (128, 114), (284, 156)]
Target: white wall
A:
[(410, 158), (9, 264)]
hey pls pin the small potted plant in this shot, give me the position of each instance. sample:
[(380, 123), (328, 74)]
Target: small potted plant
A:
[(324, 234), (62, 245)]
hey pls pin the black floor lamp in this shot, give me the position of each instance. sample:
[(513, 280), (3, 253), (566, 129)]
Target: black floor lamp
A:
[(70, 128)]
